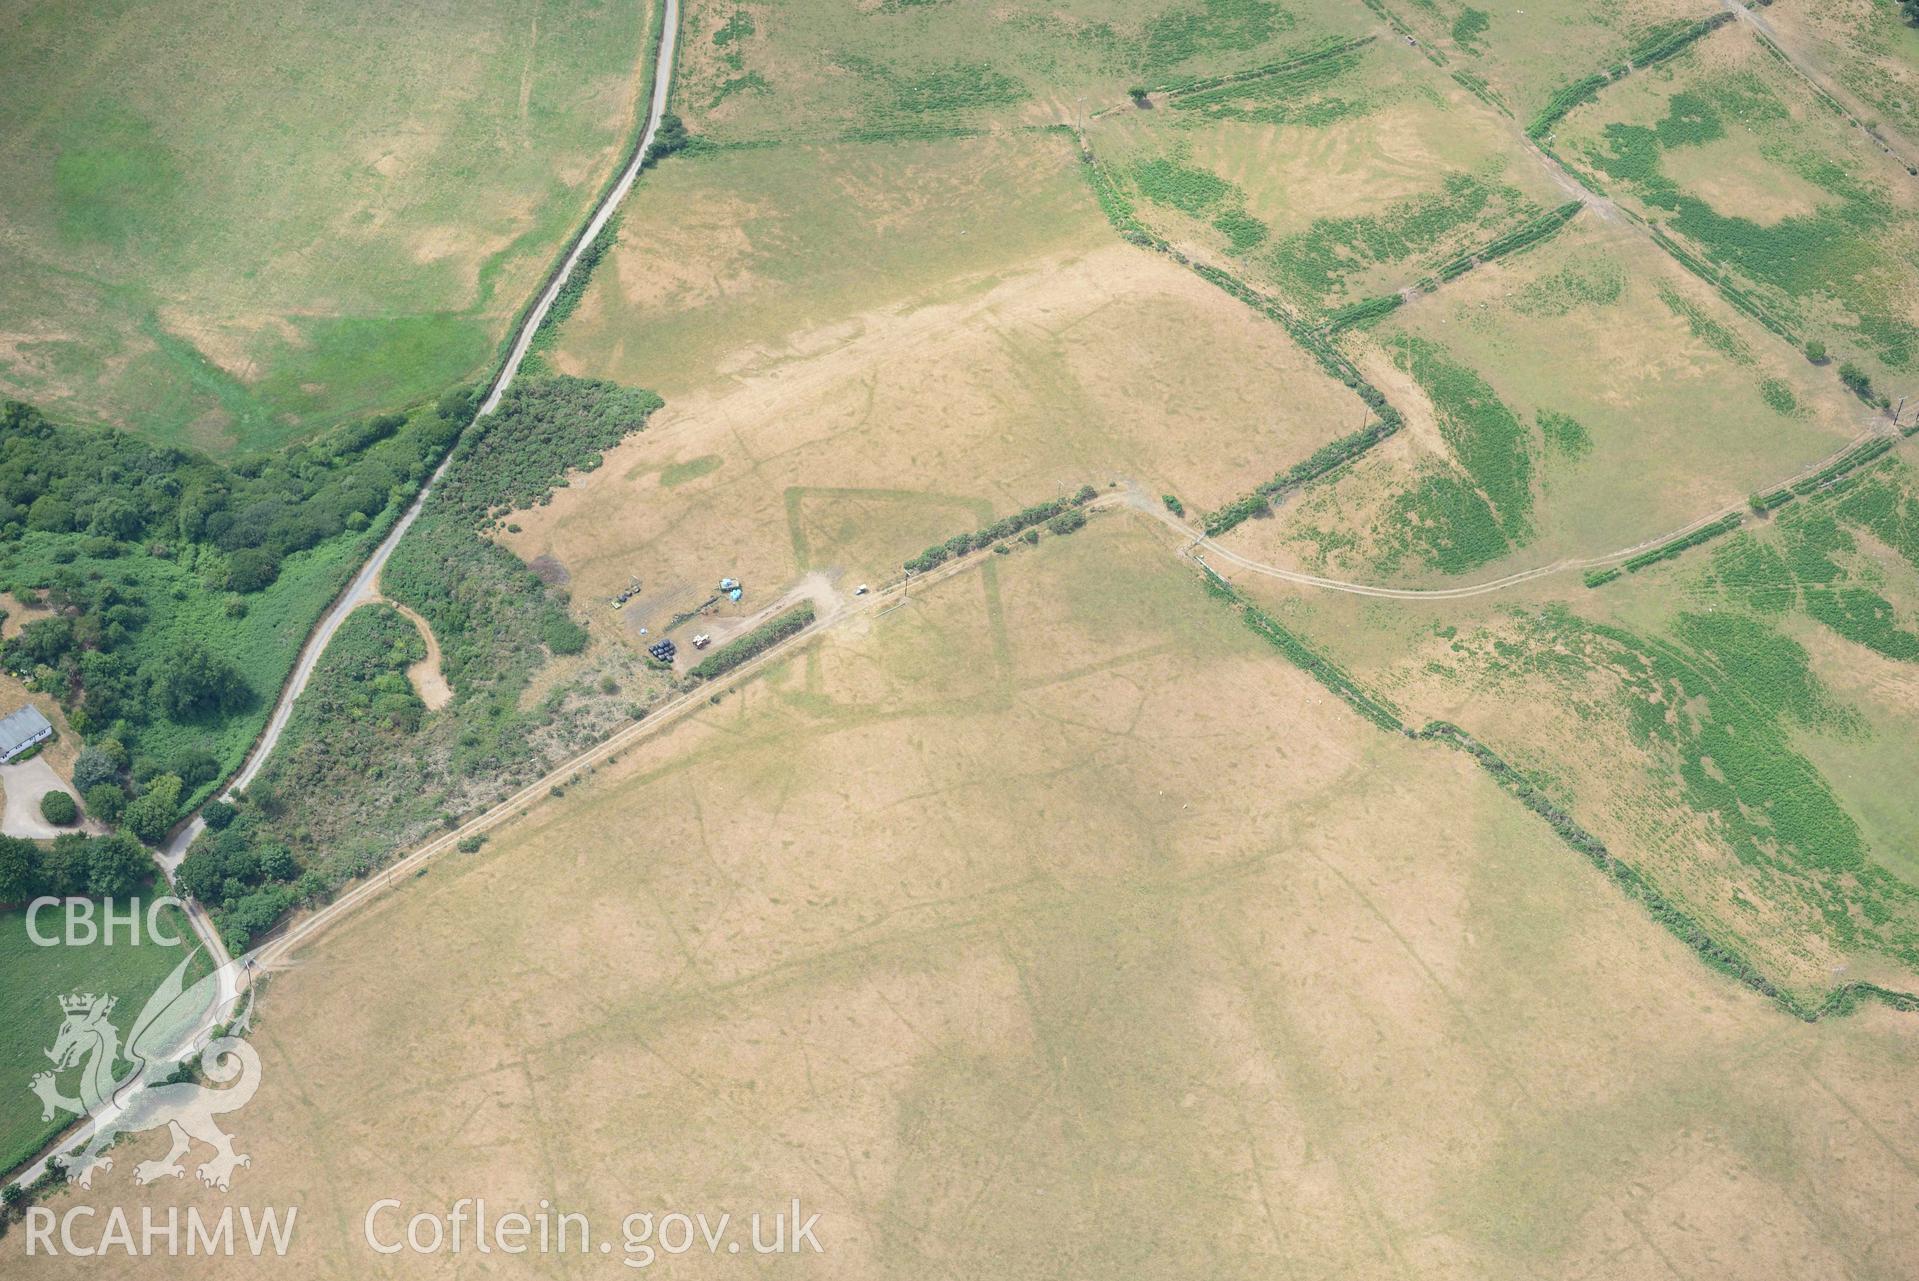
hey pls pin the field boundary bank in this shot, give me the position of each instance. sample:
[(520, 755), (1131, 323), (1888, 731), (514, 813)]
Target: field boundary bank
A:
[(1830, 99), (1632, 883), (1314, 341)]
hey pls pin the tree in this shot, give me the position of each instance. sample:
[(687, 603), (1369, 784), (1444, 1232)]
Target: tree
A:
[(194, 765), (94, 766), (251, 569), (1856, 380), (153, 811), (106, 802), (58, 808), (1816, 351), (200, 874), (63, 867), (117, 867), (19, 869), (50, 514), (197, 682), (218, 815), (672, 137), (114, 517)]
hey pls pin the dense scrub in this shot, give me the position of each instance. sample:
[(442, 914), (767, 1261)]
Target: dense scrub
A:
[(1455, 522), (178, 590), (492, 616), (1811, 561), (362, 769)]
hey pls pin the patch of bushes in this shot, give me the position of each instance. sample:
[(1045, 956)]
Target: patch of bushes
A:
[(75, 865), (136, 549)]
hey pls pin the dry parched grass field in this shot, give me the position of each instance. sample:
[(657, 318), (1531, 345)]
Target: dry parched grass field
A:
[(1051, 923), (1050, 926), (822, 417)]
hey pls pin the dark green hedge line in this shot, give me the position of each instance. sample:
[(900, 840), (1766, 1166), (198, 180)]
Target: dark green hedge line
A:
[(1852, 459), (1006, 527), (1303, 656), (1659, 46), (1629, 880), (756, 642), (1720, 956), (1317, 343), (1667, 550), (1564, 100), (1332, 47), (1521, 237), (1769, 502), (1740, 298), (1363, 312), (1532, 232), (1600, 577), (1333, 454), (1654, 49), (568, 299)]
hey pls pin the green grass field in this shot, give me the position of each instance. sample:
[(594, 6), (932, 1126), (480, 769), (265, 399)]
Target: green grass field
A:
[(1583, 396), (1746, 168), (1354, 170), (762, 72), (230, 225), (32, 977)]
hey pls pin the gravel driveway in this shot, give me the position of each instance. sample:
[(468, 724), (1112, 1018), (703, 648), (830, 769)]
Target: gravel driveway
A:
[(25, 783)]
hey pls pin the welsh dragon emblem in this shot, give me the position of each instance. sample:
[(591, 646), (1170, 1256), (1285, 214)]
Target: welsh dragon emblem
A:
[(145, 1097)]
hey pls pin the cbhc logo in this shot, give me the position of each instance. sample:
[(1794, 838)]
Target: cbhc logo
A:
[(87, 922)]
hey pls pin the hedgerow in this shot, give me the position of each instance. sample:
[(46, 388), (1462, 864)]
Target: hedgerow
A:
[(568, 299), (1365, 311), (1657, 46), (1851, 460), (1635, 885), (1303, 656), (1006, 527), (1673, 547), (1330, 47), (1532, 232), (755, 642)]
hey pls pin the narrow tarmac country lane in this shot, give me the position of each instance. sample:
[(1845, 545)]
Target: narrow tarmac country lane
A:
[(364, 586)]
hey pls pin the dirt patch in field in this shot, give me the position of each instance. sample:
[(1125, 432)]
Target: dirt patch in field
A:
[(549, 570), (1733, 176), (18, 615)]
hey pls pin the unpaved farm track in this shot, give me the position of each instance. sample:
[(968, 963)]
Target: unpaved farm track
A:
[(364, 586)]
